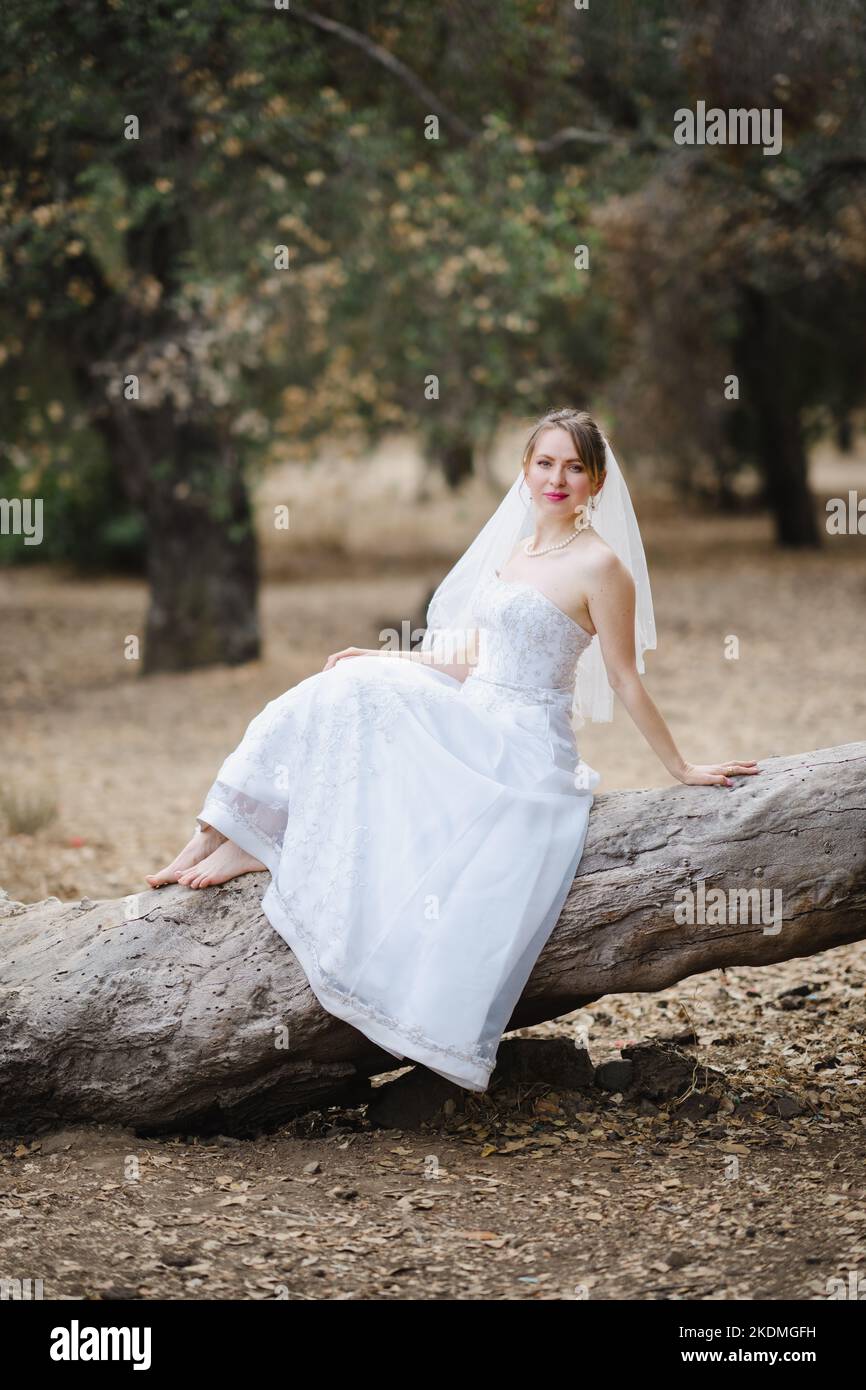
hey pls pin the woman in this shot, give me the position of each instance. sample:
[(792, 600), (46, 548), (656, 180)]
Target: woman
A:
[(422, 814)]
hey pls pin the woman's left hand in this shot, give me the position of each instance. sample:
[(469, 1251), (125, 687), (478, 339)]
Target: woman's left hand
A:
[(715, 774), (345, 654)]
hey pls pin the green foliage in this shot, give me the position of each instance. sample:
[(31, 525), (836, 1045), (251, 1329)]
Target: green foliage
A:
[(51, 451), (87, 522), (410, 258)]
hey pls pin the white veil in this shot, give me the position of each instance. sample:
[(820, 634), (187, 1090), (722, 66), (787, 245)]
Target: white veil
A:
[(450, 613)]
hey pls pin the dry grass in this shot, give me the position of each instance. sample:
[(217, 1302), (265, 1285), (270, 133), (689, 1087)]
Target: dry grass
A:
[(27, 810)]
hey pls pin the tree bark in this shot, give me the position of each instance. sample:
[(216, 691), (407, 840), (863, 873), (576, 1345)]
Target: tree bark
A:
[(202, 556), (202, 564), (182, 1010)]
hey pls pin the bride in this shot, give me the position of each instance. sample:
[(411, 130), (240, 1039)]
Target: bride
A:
[(422, 814)]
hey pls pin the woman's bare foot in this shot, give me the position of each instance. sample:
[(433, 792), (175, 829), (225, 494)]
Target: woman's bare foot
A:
[(202, 844), (229, 861)]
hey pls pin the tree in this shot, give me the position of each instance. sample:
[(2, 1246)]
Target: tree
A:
[(730, 263), (366, 216), (108, 1035), (149, 161)]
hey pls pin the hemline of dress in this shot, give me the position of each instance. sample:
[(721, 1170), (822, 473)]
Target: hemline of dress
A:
[(220, 817), (473, 1079)]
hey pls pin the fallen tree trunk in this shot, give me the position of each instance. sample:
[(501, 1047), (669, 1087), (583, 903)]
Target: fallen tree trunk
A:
[(181, 1010)]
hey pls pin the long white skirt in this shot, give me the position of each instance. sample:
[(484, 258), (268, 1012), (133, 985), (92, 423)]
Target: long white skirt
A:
[(421, 840)]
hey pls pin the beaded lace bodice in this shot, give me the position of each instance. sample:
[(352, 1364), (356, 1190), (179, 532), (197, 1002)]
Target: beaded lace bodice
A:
[(527, 644)]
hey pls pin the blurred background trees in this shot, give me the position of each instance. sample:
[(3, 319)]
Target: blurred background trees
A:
[(374, 215)]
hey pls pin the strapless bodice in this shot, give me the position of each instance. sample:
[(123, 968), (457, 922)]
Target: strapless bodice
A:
[(526, 642)]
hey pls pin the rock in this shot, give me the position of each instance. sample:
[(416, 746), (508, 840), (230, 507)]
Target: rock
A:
[(413, 1100), (662, 1072), (615, 1075), (788, 1107), (697, 1106), (554, 1061)]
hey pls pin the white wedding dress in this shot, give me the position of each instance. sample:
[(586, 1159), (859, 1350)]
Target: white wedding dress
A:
[(421, 833)]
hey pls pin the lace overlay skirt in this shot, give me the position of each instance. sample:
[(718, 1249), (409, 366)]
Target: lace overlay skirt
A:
[(421, 836)]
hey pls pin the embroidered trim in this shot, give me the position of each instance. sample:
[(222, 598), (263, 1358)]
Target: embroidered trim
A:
[(481, 1056)]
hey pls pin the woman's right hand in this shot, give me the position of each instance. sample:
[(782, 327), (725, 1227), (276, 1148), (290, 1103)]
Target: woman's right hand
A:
[(716, 774), (347, 651)]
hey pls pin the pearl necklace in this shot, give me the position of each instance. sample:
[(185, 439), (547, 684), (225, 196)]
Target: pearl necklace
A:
[(583, 515), (545, 549)]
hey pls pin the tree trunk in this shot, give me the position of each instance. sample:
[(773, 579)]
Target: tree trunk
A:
[(454, 456), (202, 559), (202, 562), (844, 433), (767, 358), (181, 1010)]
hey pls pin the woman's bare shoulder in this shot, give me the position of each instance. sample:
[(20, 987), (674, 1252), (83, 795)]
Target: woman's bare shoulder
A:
[(598, 560), (598, 572)]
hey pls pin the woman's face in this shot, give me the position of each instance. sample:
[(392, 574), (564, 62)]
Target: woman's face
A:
[(555, 475)]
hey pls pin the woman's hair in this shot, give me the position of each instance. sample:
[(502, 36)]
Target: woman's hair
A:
[(588, 441)]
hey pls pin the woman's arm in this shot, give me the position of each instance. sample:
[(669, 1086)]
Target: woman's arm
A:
[(458, 669), (611, 604)]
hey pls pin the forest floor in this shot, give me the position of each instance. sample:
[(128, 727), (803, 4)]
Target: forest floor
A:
[(536, 1195)]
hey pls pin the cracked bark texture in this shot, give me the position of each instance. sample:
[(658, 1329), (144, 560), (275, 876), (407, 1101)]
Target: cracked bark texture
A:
[(176, 1010)]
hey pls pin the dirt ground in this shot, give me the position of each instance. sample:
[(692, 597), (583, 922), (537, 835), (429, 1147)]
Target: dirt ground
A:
[(538, 1195), (535, 1194)]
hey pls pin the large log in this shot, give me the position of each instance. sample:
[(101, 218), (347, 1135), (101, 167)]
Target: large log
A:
[(181, 1010)]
